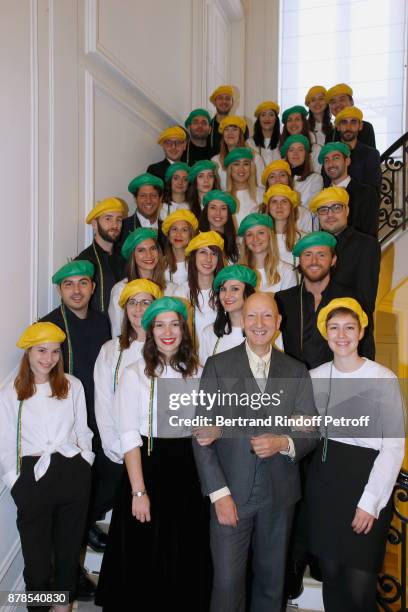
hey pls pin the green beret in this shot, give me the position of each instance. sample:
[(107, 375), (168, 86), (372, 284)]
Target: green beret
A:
[(135, 238), (174, 168), (78, 267), (333, 146), (294, 109), (145, 179), (203, 164), (252, 220), (217, 194), (314, 239), (235, 272), (238, 153), (197, 112), (164, 304), (291, 140)]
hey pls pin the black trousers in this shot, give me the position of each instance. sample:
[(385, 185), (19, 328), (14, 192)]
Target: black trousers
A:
[(51, 515)]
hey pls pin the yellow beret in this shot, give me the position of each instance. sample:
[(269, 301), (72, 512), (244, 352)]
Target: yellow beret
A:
[(350, 112), (40, 333), (281, 190), (139, 285), (267, 105), (172, 132), (232, 120), (179, 215), (105, 206), (221, 90), (313, 91), (330, 195), (346, 302), (278, 164), (205, 239), (338, 90)]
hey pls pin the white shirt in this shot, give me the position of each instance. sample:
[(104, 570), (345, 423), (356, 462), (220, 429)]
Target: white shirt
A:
[(246, 205), (146, 223), (307, 189), (287, 278), (344, 183), (171, 207), (48, 425), (284, 254), (204, 315), (132, 401), (222, 173), (211, 345), (176, 278), (391, 450), (267, 155), (115, 312), (317, 138), (106, 378)]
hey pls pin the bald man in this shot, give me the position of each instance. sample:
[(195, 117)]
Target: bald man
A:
[(250, 473)]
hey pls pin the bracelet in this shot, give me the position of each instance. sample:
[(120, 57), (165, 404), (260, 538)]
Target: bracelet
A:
[(139, 493)]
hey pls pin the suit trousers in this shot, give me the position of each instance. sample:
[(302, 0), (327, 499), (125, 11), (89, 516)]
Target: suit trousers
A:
[(51, 515), (268, 530)]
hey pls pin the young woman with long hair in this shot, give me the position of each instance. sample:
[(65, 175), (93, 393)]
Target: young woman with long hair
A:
[(265, 140), (242, 182), (179, 227), (260, 253), (296, 151), (159, 526), (295, 122), (349, 484), (202, 177), (144, 259), (175, 189), (319, 118), (116, 354), (205, 260), (232, 286), (45, 459), (218, 216)]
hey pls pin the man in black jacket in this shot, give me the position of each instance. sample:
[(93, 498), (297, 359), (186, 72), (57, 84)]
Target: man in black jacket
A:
[(173, 140), (198, 124), (340, 96), (364, 202)]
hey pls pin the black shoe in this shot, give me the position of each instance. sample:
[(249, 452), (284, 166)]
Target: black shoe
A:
[(86, 588), (97, 539), (294, 580)]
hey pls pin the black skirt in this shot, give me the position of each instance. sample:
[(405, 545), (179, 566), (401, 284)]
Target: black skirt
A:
[(172, 551), (332, 492)]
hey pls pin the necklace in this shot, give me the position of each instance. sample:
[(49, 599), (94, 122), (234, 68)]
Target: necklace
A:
[(18, 444), (116, 376), (325, 441), (69, 343), (101, 296), (150, 418)]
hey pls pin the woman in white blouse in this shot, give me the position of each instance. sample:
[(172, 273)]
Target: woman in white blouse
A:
[(45, 459), (115, 355), (202, 177), (319, 118), (232, 286), (179, 227), (175, 189), (354, 468), (158, 543), (265, 140), (218, 215), (242, 181), (260, 252), (144, 259)]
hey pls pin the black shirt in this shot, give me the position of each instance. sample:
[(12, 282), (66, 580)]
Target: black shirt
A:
[(109, 269), (366, 135), (159, 169), (192, 154), (364, 206), (131, 223)]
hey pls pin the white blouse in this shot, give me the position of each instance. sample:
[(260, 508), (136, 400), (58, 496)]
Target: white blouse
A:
[(108, 369), (211, 345), (267, 155), (246, 205), (178, 277), (132, 404), (391, 449), (48, 425), (307, 189), (203, 316), (284, 254), (287, 278), (222, 173), (115, 312), (171, 207)]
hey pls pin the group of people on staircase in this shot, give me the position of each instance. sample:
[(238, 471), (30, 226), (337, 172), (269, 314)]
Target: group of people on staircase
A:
[(249, 264)]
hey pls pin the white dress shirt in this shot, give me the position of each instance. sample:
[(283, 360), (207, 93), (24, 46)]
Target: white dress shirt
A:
[(246, 205), (307, 189), (267, 155), (211, 345), (115, 312), (144, 222), (203, 316), (171, 207), (288, 278), (178, 277), (48, 425), (104, 378)]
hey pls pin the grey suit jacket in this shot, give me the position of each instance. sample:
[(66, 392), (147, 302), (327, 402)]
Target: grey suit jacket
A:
[(229, 460)]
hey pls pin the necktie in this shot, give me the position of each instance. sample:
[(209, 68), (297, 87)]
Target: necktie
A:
[(261, 375)]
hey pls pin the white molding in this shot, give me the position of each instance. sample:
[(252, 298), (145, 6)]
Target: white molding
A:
[(232, 9), (51, 153), (34, 144), (11, 554), (89, 151), (198, 55)]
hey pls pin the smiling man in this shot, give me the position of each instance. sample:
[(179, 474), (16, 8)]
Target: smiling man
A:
[(252, 479), (173, 140), (198, 124), (338, 98), (223, 99)]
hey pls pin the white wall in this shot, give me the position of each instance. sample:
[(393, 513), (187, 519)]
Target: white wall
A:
[(87, 87)]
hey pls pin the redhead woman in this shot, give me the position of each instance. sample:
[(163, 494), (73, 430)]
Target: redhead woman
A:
[(260, 252), (202, 177), (232, 286), (354, 468), (218, 216), (179, 227), (175, 189), (158, 543), (144, 259), (265, 140), (45, 459)]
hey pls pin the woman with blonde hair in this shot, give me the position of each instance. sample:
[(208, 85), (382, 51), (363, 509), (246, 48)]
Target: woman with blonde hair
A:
[(45, 460), (260, 252), (265, 140), (179, 227), (242, 182)]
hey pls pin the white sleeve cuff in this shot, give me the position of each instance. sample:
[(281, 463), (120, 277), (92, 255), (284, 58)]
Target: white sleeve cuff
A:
[(88, 455), (291, 452), (369, 503), (10, 478), (216, 495), (129, 440)]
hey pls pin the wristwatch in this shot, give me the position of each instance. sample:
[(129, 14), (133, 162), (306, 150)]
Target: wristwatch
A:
[(139, 493)]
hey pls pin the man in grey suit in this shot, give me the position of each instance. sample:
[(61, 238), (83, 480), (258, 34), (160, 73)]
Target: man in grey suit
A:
[(251, 476)]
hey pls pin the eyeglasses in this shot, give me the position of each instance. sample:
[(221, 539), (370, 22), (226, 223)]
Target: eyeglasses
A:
[(173, 143), (325, 210), (144, 303)]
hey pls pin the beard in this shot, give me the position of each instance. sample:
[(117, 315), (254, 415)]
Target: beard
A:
[(315, 278), (105, 235), (348, 136)]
